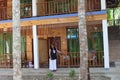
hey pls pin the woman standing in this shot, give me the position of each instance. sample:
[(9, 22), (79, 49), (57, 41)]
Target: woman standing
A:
[(52, 58)]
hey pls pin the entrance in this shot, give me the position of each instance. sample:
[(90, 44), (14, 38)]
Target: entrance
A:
[(44, 49), (56, 41), (43, 53)]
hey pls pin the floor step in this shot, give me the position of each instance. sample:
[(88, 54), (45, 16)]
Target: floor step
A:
[(38, 74)]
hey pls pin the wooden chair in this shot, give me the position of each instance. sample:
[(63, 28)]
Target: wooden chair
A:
[(92, 59), (8, 60), (64, 60), (23, 60)]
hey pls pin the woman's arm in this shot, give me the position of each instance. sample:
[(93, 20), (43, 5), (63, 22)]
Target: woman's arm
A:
[(49, 54), (59, 52)]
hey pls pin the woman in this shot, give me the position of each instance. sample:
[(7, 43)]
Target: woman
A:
[(52, 58)]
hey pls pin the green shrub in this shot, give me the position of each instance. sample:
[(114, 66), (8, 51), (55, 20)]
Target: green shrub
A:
[(49, 76), (72, 74)]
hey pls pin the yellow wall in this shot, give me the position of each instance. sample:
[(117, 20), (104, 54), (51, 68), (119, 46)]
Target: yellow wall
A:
[(44, 33), (55, 32)]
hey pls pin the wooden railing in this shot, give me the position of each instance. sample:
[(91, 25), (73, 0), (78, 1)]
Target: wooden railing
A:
[(96, 59), (65, 60), (65, 6), (73, 60), (25, 10), (93, 5), (6, 60), (3, 14), (57, 7), (50, 8)]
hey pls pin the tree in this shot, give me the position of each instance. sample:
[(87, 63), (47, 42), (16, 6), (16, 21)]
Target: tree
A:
[(17, 74), (83, 41)]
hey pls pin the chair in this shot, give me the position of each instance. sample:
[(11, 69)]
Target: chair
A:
[(92, 59), (65, 60)]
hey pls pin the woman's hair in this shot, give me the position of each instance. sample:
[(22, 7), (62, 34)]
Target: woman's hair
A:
[(52, 46)]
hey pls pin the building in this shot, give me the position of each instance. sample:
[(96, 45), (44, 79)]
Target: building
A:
[(56, 21)]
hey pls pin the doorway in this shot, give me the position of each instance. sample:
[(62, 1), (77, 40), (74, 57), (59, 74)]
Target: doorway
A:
[(43, 53), (56, 41), (44, 49)]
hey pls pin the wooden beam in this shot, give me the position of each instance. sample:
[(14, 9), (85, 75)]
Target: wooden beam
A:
[(54, 21), (97, 17)]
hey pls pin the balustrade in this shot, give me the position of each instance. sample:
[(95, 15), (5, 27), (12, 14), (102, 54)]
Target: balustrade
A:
[(49, 8), (73, 59)]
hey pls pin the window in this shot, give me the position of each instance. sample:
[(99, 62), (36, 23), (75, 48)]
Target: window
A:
[(73, 40), (6, 43), (26, 7), (98, 41), (26, 1)]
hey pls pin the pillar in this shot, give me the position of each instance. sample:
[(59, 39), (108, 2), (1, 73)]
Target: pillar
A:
[(35, 38), (106, 45), (105, 37), (103, 4), (35, 47)]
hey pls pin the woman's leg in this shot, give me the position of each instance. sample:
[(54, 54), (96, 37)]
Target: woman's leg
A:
[(51, 62), (54, 65)]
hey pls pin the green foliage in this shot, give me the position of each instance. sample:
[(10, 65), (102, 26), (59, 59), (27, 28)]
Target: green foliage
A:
[(72, 74), (49, 76), (113, 16)]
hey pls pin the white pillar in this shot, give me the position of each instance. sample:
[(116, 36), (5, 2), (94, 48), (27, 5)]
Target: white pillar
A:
[(103, 4), (35, 38), (34, 7), (105, 43), (35, 48)]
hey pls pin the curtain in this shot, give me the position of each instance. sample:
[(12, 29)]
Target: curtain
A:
[(6, 43), (1, 44), (98, 41)]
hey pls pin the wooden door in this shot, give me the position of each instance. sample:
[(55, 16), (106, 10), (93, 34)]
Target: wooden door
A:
[(56, 41), (43, 53)]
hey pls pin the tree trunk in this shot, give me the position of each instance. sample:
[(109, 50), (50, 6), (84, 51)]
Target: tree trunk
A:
[(83, 41), (17, 74)]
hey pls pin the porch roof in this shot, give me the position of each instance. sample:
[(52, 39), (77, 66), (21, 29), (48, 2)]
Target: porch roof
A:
[(56, 19)]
